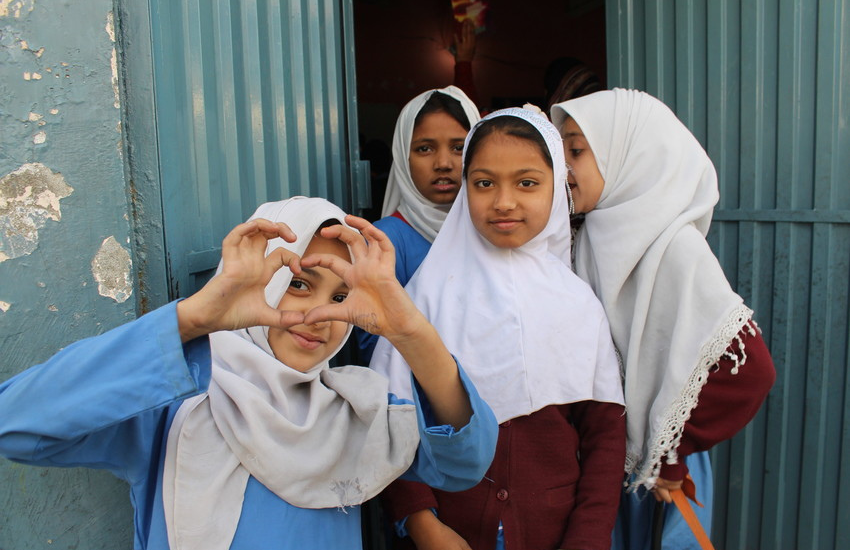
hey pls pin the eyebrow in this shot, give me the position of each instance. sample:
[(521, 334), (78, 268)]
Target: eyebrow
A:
[(517, 171), (309, 271), (430, 139), (572, 134)]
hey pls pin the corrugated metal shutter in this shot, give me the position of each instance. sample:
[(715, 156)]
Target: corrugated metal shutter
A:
[(765, 86), (253, 103)]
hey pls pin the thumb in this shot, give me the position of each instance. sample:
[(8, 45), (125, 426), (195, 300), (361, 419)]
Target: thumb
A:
[(327, 312), (272, 317)]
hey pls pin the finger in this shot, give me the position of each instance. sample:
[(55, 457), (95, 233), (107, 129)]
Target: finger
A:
[(280, 257), (373, 234), (275, 229), (235, 236), (348, 236), (271, 317), (326, 312), (329, 261)]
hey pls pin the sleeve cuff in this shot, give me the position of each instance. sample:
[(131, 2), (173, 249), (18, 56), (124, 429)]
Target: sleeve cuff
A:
[(674, 472)]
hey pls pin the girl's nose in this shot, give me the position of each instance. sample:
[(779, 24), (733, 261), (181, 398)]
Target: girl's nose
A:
[(311, 303), (320, 324), (443, 160), (504, 200), (571, 175)]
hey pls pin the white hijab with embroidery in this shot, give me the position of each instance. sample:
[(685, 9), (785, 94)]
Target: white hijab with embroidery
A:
[(319, 439), (525, 328), (424, 216), (643, 250)]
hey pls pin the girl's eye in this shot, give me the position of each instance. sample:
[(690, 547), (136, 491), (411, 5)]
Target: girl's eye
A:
[(298, 284), (423, 149), (483, 183), (458, 149), (527, 183), (339, 298), (575, 152)]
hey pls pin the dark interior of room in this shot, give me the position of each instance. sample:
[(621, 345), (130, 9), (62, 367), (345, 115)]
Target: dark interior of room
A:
[(403, 48)]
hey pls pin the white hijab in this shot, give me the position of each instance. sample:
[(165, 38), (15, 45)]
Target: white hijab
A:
[(643, 250), (319, 439), (525, 328), (424, 216)]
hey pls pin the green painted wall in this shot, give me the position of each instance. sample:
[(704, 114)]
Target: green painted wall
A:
[(65, 268)]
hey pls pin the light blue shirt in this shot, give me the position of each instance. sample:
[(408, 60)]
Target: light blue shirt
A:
[(107, 402)]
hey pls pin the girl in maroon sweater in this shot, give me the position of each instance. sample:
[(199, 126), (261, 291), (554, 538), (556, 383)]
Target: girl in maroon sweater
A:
[(497, 284), (696, 366)]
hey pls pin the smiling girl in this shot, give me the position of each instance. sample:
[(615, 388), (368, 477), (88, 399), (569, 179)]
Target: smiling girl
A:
[(221, 410), (497, 284)]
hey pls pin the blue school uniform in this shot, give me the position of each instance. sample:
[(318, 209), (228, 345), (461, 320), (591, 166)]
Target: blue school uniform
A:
[(633, 530), (108, 403)]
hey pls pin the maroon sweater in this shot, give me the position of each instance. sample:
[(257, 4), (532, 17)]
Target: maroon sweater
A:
[(727, 402), (555, 482)]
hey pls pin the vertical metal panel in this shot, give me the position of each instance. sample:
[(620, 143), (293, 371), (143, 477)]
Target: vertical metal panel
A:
[(250, 101), (763, 84)]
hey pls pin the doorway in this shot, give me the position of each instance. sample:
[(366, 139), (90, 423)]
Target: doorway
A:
[(403, 47)]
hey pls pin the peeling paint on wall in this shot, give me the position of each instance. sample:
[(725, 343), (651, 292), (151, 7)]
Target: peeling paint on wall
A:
[(110, 30), (26, 47), (4, 306), (15, 7), (29, 197), (111, 268)]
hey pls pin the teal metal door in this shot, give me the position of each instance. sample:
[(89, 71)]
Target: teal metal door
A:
[(253, 103), (765, 86)]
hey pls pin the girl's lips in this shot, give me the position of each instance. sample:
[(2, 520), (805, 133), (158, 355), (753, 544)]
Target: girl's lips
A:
[(444, 185), (305, 340), (505, 224)]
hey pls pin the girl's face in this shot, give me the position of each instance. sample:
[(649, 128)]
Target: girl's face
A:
[(302, 347), (435, 157), (509, 187), (584, 179)]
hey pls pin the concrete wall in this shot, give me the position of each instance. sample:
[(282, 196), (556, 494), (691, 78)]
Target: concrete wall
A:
[(65, 253)]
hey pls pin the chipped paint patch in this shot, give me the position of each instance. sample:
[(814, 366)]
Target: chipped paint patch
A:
[(29, 197), (114, 64), (15, 7), (26, 47), (4, 306), (110, 25), (39, 138), (111, 268), (110, 30)]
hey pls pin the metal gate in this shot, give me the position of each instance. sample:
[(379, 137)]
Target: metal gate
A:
[(765, 87), (253, 101)]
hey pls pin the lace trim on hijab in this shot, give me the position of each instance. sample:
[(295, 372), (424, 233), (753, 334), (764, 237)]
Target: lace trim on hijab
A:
[(670, 435)]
